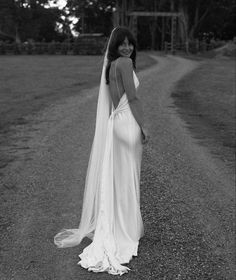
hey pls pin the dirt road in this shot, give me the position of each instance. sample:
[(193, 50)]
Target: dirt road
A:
[(186, 195)]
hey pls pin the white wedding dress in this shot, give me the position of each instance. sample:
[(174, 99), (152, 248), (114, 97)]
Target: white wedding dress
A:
[(119, 224), (111, 215)]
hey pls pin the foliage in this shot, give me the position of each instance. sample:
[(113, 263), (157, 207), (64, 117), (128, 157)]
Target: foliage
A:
[(216, 16), (28, 19), (21, 20), (95, 16)]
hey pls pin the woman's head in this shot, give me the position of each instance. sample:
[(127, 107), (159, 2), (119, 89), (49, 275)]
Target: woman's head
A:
[(121, 43)]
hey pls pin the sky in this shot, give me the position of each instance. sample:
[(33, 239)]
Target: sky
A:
[(61, 4)]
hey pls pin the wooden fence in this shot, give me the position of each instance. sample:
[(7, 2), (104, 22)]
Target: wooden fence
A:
[(191, 47), (93, 46)]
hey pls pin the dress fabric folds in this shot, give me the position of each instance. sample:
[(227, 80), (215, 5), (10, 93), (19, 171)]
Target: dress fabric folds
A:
[(119, 222), (111, 215)]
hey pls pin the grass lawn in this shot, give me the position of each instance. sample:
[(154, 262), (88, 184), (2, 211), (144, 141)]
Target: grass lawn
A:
[(29, 83), (206, 101)]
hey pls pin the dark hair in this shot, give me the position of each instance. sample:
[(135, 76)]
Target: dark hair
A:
[(117, 38)]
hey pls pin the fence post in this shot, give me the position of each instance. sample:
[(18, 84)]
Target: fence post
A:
[(166, 47), (2, 48), (187, 47), (197, 46)]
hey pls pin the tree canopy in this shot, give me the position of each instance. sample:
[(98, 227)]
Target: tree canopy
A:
[(95, 16), (38, 20), (28, 19)]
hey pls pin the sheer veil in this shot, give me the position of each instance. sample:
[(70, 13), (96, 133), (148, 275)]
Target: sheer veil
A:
[(72, 237)]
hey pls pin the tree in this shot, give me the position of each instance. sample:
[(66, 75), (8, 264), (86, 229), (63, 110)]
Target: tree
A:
[(220, 20), (196, 17), (205, 16), (7, 21), (24, 19), (94, 16)]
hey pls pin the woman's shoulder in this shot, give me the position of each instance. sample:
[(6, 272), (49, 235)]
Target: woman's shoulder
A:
[(124, 63), (124, 60)]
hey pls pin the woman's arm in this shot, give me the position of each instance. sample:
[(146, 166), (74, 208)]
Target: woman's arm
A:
[(126, 69), (137, 111)]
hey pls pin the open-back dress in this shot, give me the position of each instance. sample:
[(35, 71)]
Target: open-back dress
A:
[(111, 215), (119, 224)]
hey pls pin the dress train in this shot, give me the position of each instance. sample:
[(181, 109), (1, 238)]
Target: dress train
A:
[(119, 223)]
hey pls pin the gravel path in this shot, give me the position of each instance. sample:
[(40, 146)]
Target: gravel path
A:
[(187, 196)]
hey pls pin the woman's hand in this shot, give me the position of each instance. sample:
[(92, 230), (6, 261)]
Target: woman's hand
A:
[(145, 136)]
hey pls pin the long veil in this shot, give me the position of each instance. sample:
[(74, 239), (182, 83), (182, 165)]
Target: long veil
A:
[(72, 237)]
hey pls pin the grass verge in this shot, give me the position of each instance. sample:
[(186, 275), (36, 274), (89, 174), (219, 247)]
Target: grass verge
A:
[(206, 101), (30, 83)]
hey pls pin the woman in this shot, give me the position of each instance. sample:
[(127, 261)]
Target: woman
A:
[(111, 207)]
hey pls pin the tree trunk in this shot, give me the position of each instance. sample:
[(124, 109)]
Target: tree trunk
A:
[(163, 33), (153, 25), (195, 24), (153, 28), (197, 20), (116, 15), (17, 35), (184, 24)]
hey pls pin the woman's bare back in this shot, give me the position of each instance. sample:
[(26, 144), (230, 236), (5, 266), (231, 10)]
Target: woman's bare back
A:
[(116, 85)]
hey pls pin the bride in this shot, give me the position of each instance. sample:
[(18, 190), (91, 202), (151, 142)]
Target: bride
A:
[(111, 215)]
